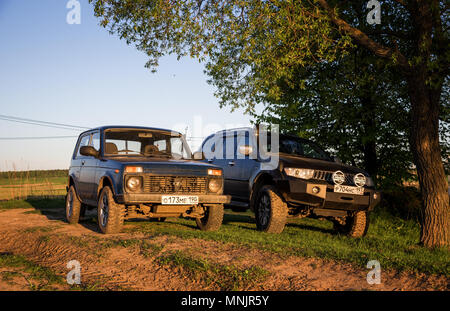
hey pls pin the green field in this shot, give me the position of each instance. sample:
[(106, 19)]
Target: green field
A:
[(21, 185)]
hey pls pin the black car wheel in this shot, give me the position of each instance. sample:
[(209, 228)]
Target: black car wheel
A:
[(110, 214), (355, 226), (73, 206), (212, 220), (270, 211)]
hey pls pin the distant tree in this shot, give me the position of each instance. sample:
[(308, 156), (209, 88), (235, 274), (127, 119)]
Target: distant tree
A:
[(250, 46)]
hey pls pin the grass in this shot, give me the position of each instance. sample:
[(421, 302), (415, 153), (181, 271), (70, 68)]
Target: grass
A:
[(36, 203), (22, 185), (226, 277), (33, 180), (390, 240), (146, 248), (28, 270)]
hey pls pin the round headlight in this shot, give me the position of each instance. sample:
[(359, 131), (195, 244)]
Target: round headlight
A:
[(359, 180), (338, 177), (215, 185), (134, 183)]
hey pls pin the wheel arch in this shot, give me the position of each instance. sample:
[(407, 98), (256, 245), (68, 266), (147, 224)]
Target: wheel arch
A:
[(103, 182), (71, 182), (263, 178)]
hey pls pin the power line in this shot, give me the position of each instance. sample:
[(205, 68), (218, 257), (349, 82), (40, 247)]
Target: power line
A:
[(35, 137), (52, 125), (43, 123)]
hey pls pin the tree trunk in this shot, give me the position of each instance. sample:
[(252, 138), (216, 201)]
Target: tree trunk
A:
[(427, 157)]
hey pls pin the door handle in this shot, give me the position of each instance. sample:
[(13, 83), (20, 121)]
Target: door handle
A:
[(210, 160), (231, 163), (82, 162)]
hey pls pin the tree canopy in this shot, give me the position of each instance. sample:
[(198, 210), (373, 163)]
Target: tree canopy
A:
[(253, 51)]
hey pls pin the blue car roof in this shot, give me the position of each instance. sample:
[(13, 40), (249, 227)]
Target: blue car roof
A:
[(107, 127)]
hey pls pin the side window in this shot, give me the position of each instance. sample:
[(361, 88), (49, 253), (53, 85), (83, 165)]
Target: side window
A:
[(230, 146), (209, 147), (96, 141), (83, 142), (242, 140), (219, 143)]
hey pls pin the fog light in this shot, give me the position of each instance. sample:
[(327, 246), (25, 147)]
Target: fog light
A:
[(315, 190), (375, 196)]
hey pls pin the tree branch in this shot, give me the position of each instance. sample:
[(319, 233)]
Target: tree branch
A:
[(363, 39)]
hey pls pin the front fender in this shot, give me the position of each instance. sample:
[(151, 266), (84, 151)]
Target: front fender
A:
[(114, 179)]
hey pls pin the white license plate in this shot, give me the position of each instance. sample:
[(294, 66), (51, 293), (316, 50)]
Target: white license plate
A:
[(179, 199), (349, 189)]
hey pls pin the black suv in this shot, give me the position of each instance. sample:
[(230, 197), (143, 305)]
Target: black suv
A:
[(138, 171), (305, 181)]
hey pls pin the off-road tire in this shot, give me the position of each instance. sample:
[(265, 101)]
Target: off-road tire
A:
[(115, 213), (275, 218), (355, 226), (73, 209), (212, 220)]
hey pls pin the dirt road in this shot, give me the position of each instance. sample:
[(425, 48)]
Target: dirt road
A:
[(122, 261)]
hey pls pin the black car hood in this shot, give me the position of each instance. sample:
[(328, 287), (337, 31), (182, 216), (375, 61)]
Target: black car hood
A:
[(316, 164), (165, 166)]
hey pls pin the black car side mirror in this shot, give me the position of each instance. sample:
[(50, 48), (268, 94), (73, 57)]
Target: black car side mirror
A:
[(199, 155), (89, 151)]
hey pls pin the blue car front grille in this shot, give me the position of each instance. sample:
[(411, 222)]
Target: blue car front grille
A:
[(175, 184)]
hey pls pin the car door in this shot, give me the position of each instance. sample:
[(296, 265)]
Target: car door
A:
[(88, 172), (75, 165), (78, 162), (243, 165), (222, 152)]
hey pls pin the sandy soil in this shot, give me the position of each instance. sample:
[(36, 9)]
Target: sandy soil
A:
[(50, 242)]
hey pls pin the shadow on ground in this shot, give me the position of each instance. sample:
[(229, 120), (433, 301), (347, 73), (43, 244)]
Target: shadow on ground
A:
[(54, 209)]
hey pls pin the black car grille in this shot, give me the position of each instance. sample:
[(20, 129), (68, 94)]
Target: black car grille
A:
[(175, 184), (327, 176)]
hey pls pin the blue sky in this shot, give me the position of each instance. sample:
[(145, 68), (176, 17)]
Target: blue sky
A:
[(82, 75)]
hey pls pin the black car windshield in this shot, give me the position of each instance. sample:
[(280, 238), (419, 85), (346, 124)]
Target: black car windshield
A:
[(145, 143), (301, 147)]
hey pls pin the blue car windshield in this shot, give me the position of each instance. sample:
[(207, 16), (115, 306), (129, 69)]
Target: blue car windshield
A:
[(145, 143)]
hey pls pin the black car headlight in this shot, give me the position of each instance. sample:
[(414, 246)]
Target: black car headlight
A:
[(303, 173), (215, 185), (134, 183)]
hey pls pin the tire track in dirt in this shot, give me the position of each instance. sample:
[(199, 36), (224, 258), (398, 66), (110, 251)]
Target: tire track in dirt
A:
[(53, 243), (299, 273), (115, 269)]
